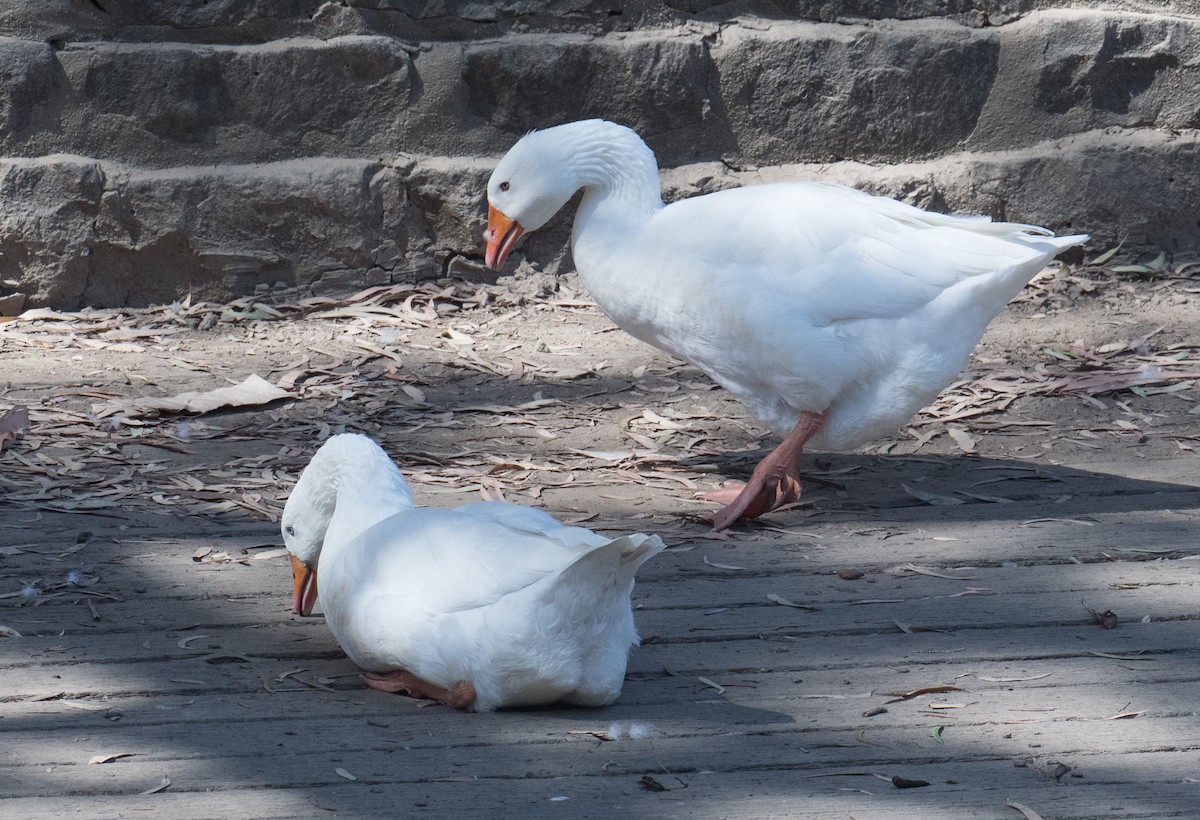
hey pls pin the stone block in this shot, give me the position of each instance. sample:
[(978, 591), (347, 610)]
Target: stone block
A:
[(1066, 72), (27, 80), (660, 84), (815, 92), (46, 225), (177, 104)]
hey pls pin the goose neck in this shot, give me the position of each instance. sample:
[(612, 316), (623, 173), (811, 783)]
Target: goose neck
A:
[(365, 494), (614, 163)]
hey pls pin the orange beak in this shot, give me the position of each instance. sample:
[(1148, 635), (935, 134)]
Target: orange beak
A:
[(502, 233), (304, 587)]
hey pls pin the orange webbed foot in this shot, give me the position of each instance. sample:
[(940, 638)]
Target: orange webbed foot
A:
[(775, 481), (461, 695)]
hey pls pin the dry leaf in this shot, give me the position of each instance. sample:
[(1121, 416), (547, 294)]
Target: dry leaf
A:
[(182, 643), (850, 574), (162, 786), (650, 784), (110, 758), (1012, 680), (13, 421), (933, 499), (720, 566), (861, 737), (1106, 619), (962, 439), (933, 573), (779, 599), (253, 391), (1029, 813), (928, 690), (1121, 657)]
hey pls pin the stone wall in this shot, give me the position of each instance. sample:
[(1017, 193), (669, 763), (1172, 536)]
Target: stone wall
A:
[(150, 149)]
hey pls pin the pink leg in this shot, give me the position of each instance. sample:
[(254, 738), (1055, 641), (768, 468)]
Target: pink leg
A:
[(459, 696), (776, 479)]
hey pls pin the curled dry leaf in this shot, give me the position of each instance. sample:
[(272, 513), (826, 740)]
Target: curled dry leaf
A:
[(1029, 813), (650, 784), (850, 574), (225, 657), (97, 759), (1106, 619), (182, 643), (928, 690), (163, 785)]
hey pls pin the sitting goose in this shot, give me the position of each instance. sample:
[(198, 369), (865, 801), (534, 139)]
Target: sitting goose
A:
[(481, 607)]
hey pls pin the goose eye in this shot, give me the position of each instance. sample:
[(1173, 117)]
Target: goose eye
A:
[(504, 185), (290, 530)]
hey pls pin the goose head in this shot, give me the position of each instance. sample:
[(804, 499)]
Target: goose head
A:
[(540, 174), (304, 523), (529, 186), (350, 485)]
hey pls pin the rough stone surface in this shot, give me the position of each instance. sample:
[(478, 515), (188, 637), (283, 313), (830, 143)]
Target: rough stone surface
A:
[(155, 149), (110, 235), (805, 91), (167, 104)]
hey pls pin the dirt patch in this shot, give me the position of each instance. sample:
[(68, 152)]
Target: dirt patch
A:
[(528, 392)]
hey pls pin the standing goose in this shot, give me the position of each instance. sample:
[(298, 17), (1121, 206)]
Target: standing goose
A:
[(832, 314), (481, 607)]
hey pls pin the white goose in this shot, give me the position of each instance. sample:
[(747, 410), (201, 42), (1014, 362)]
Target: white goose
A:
[(481, 607), (832, 314)]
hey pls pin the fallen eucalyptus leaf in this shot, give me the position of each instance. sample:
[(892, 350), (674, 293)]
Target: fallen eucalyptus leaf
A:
[(165, 784), (110, 758), (13, 421), (779, 599), (1029, 813), (933, 499), (253, 391)]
